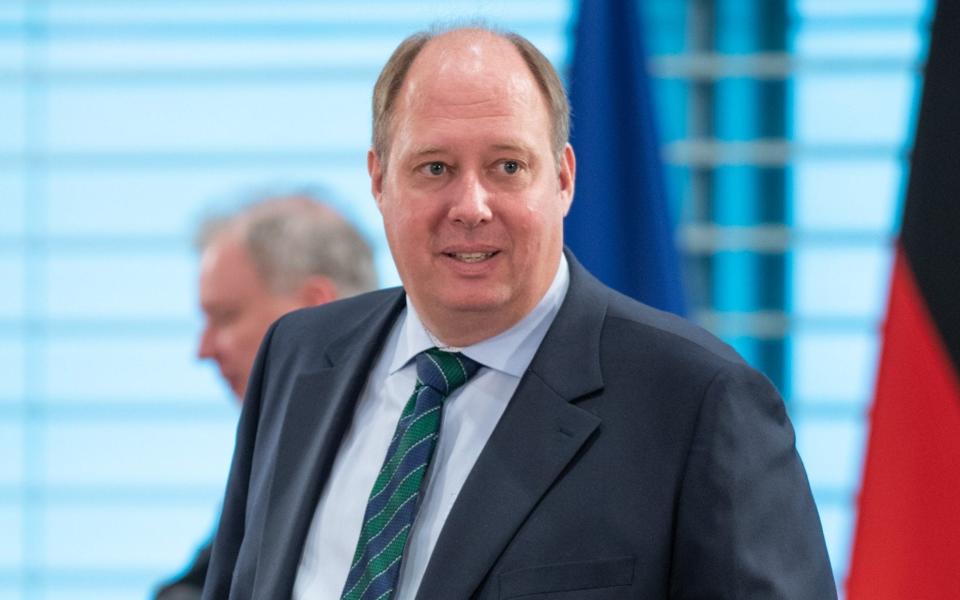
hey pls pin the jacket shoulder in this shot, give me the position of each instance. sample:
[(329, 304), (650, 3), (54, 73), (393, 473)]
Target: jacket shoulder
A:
[(669, 335), (343, 312), (317, 326)]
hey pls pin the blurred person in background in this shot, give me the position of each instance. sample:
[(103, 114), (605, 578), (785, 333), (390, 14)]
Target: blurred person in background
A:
[(256, 264)]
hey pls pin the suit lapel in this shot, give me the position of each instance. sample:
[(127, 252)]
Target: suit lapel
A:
[(317, 415), (539, 434)]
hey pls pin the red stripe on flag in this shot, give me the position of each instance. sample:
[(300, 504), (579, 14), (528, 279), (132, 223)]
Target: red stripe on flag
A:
[(907, 543)]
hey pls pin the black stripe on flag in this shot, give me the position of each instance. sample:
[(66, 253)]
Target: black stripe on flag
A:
[(931, 222)]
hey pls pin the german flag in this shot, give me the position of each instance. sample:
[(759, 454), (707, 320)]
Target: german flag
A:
[(907, 544)]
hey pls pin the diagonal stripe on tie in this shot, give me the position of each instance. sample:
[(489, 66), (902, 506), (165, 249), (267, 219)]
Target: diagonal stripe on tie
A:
[(395, 497)]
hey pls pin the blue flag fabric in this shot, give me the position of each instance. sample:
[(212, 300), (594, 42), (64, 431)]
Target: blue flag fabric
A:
[(619, 225)]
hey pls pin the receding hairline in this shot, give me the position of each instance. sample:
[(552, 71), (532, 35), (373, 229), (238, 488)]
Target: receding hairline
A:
[(393, 78)]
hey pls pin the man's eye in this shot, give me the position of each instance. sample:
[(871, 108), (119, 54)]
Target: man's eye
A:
[(510, 167), (436, 168)]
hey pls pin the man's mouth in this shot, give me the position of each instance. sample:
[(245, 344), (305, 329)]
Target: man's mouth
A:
[(471, 257)]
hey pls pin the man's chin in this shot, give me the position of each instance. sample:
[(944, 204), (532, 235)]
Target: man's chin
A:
[(238, 389), (477, 303)]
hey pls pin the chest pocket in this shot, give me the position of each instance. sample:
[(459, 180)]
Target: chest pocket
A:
[(554, 580)]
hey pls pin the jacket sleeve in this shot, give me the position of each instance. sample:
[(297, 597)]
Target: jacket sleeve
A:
[(233, 518), (747, 526)]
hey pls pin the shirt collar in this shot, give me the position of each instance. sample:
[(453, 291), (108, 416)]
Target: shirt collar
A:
[(509, 351)]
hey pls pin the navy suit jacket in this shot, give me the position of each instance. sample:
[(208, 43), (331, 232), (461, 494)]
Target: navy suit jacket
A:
[(639, 458)]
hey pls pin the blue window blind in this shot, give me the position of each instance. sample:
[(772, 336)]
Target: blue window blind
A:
[(857, 82)]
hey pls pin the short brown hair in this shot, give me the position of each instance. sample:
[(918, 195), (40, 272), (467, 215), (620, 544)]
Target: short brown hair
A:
[(395, 71)]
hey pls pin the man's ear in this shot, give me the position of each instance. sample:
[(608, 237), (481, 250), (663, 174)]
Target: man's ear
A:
[(317, 290), (568, 176), (376, 175)]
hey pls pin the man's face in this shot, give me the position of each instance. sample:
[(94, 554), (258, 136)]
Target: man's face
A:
[(238, 308), (472, 196)]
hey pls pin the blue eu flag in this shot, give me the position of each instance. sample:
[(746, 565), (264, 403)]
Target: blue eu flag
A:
[(619, 226)]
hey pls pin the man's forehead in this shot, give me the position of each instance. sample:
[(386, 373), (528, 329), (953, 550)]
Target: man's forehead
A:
[(469, 75), (468, 50), (225, 246), (226, 264), (465, 57)]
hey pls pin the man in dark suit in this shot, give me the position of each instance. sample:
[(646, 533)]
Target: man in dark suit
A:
[(248, 279), (578, 444)]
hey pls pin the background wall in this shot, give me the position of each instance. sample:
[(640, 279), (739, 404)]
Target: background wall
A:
[(785, 125)]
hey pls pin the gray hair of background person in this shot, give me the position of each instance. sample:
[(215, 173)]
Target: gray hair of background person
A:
[(395, 71), (296, 236)]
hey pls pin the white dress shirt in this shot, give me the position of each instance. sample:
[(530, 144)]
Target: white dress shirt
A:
[(469, 417)]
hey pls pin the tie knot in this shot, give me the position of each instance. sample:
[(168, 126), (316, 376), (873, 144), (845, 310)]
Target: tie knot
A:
[(444, 371)]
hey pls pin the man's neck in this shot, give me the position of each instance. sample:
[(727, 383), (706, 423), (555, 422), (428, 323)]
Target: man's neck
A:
[(459, 329), (470, 327)]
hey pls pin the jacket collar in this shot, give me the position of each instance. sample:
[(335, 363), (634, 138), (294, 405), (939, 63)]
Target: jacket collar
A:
[(538, 436)]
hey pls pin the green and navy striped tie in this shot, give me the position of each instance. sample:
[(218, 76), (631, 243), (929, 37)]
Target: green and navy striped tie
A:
[(395, 498)]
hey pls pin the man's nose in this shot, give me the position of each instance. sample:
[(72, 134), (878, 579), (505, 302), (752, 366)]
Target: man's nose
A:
[(471, 202), (205, 345)]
